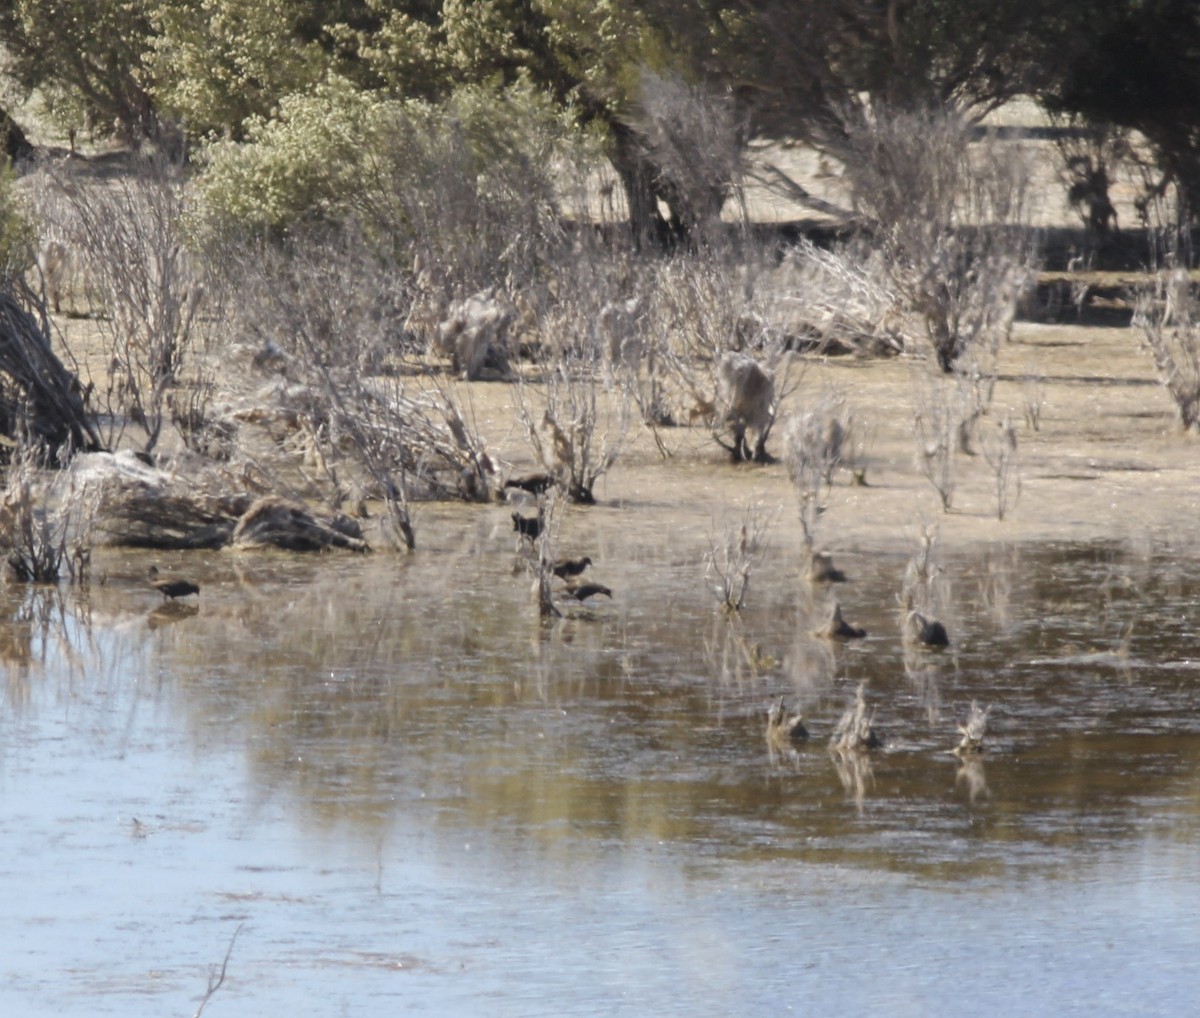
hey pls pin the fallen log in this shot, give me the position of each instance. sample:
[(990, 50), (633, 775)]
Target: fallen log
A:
[(284, 523), (142, 506)]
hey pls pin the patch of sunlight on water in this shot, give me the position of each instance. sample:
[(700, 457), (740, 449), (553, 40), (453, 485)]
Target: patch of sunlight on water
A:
[(407, 794)]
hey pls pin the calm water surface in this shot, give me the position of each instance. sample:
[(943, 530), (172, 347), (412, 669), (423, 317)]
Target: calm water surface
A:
[(403, 794)]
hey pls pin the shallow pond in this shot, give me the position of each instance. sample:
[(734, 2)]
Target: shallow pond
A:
[(381, 785)]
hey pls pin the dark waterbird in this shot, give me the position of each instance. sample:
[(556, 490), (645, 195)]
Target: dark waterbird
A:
[(582, 591), (168, 587), (822, 570), (535, 484), (837, 628), (529, 527), (925, 631), (784, 732), (566, 567)]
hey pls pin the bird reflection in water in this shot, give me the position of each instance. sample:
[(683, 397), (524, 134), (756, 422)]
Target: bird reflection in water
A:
[(170, 612)]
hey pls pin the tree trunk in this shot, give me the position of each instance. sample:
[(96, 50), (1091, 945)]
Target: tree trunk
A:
[(16, 145), (640, 179)]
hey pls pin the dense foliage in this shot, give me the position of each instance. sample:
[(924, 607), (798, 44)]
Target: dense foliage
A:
[(224, 68)]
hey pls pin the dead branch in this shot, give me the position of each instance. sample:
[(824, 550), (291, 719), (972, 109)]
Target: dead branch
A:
[(46, 403), (216, 977)]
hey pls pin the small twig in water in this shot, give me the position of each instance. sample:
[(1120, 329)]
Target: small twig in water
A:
[(217, 977)]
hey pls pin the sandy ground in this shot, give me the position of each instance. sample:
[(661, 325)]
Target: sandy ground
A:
[(1107, 460)]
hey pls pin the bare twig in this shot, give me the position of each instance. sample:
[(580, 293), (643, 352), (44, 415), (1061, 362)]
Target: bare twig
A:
[(733, 555), (216, 977)]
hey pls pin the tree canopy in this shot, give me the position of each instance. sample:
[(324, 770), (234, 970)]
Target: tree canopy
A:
[(776, 68)]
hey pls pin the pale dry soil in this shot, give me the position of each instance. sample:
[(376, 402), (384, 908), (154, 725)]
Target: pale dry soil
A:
[(1105, 458), (1108, 458)]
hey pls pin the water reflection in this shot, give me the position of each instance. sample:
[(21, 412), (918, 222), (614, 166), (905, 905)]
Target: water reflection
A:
[(421, 701), (972, 778), (367, 691), (855, 770)]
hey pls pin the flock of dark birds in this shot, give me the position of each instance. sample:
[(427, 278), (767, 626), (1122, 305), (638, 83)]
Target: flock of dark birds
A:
[(855, 730), (568, 570)]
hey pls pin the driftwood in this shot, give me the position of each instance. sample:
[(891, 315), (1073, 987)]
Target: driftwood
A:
[(38, 395), (283, 523), (142, 506)]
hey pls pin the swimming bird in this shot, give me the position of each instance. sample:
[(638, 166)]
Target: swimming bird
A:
[(837, 628), (529, 527), (973, 732), (822, 570), (928, 632), (582, 591), (170, 588), (535, 484), (565, 567), (784, 732)]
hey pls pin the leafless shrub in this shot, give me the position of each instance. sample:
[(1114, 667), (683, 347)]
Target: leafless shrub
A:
[(201, 428), (735, 549), (1080, 268), (45, 526), (829, 301), (922, 585), (216, 975), (855, 730), (128, 235), (539, 555), (698, 302), (1000, 450), (923, 599), (1033, 394), (334, 313), (937, 431), (1169, 316), (815, 443), (975, 375), (973, 731), (952, 219), (576, 414), (634, 347), (704, 306)]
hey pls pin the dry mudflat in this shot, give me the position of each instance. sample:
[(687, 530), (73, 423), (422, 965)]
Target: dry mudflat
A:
[(1100, 454)]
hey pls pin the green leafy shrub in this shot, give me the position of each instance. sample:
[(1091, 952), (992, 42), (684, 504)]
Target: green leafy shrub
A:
[(18, 233), (473, 184)]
